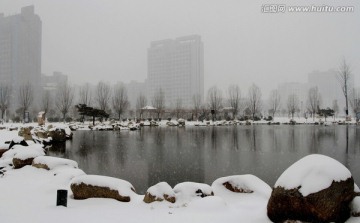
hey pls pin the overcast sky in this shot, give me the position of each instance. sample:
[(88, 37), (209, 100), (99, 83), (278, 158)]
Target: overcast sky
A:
[(93, 40)]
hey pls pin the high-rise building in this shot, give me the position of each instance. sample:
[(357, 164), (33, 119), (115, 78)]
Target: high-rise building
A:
[(20, 48), (177, 67), (329, 87)]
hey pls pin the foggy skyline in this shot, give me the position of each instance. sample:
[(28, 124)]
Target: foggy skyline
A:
[(95, 40)]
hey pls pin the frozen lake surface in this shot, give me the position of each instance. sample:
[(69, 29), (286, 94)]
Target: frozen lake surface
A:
[(203, 154)]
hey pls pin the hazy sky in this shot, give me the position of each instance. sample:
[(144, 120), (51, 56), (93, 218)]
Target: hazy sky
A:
[(93, 40)]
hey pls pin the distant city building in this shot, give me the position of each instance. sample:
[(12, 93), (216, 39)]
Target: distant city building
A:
[(51, 83), (177, 67), (329, 88), (20, 48)]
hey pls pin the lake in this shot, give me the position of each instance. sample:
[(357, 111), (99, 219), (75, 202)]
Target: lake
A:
[(203, 154)]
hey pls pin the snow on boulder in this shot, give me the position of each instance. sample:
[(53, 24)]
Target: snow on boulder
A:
[(159, 192), (50, 163), (244, 184), (187, 191), (23, 156), (94, 186), (316, 188), (312, 174)]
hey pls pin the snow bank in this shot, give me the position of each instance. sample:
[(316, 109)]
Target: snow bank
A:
[(248, 183), (103, 181), (54, 162), (312, 174), (24, 152)]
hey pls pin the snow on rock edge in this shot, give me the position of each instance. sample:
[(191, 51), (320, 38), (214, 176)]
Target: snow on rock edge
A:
[(312, 174)]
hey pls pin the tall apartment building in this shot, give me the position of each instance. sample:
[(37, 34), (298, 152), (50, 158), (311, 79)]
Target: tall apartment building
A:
[(177, 67), (329, 87), (20, 48)]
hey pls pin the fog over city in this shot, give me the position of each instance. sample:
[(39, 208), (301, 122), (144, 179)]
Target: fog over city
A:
[(94, 40)]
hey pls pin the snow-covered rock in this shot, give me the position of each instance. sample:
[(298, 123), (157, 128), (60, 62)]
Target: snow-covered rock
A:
[(316, 188), (313, 173), (188, 191), (24, 155), (95, 186), (24, 152), (244, 184), (159, 192), (50, 163)]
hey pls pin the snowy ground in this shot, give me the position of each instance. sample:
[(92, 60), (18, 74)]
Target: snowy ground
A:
[(29, 195)]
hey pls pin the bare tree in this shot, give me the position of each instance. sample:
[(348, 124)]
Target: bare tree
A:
[(235, 99), (196, 100), (85, 95), (64, 98), (103, 94), (313, 101), (344, 78), (293, 103), (274, 102), (254, 101), (46, 102), (141, 103), (120, 100), (178, 107), (355, 100), (25, 97), (215, 100), (158, 102), (5, 92)]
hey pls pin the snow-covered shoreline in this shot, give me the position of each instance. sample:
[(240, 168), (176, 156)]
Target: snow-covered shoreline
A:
[(31, 191)]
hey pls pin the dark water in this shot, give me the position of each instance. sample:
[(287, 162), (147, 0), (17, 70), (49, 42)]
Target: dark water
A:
[(203, 154)]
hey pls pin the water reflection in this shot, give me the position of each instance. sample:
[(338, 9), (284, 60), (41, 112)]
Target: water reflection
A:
[(197, 154)]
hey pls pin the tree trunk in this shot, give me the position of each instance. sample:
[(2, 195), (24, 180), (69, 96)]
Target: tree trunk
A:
[(93, 120)]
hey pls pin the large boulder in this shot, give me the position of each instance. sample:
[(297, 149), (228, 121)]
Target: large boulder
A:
[(57, 134), (23, 155), (316, 188), (160, 192), (93, 186)]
